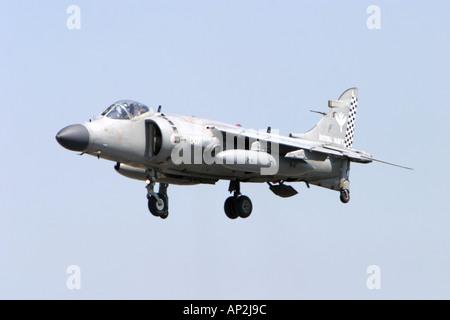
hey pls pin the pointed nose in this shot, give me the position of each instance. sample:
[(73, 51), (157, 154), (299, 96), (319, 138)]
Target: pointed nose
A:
[(74, 137)]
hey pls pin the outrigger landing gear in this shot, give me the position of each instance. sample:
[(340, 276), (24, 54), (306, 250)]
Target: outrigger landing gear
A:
[(237, 205), (345, 195), (344, 183), (158, 203)]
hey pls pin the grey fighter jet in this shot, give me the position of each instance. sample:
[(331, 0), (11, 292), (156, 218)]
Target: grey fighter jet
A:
[(184, 150)]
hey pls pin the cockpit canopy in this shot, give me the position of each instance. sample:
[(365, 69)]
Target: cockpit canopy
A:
[(126, 110)]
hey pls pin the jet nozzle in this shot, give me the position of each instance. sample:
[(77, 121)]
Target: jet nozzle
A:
[(74, 137)]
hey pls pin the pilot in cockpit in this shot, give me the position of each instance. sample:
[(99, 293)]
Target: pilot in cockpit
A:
[(132, 109), (141, 110)]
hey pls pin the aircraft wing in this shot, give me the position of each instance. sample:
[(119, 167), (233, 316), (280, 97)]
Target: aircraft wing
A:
[(299, 146)]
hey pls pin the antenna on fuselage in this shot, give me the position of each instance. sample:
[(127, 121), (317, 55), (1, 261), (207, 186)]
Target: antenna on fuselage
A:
[(159, 109)]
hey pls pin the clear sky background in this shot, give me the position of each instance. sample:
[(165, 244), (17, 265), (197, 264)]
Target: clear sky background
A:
[(257, 63)]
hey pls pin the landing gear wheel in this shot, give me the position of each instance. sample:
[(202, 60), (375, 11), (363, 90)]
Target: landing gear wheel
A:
[(345, 196), (158, 209), (230, 209), (164, 215), (243, 206)]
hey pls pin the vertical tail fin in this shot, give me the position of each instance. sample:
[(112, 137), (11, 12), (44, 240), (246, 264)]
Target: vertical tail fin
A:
[(338, 125)]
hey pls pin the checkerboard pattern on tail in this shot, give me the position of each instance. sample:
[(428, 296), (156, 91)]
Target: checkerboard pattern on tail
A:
[(351, 122)]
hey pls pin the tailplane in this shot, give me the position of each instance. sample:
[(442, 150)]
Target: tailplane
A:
[(337, 125)]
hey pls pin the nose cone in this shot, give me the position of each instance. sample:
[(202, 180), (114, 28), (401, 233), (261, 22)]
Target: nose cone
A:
[(74, 137)]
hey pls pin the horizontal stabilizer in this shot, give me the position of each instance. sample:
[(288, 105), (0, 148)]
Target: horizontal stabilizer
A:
[(390, 163), (361, 156)]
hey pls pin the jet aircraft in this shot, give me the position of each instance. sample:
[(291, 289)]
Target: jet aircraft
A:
[(185, 150)]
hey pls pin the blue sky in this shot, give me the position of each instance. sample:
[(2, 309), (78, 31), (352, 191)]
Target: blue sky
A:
[(257, 63)]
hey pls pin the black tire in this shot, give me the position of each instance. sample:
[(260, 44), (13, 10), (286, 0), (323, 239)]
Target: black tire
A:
[(158, 210), (243, 206), (229, 207), (345, 196), (164, 215)]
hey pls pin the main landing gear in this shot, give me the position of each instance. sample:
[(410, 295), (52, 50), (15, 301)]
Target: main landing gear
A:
[(237, 205), (158, 203)]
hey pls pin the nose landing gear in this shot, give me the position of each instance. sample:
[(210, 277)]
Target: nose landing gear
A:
[(158, 203), (237, 205), (159, 207)]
